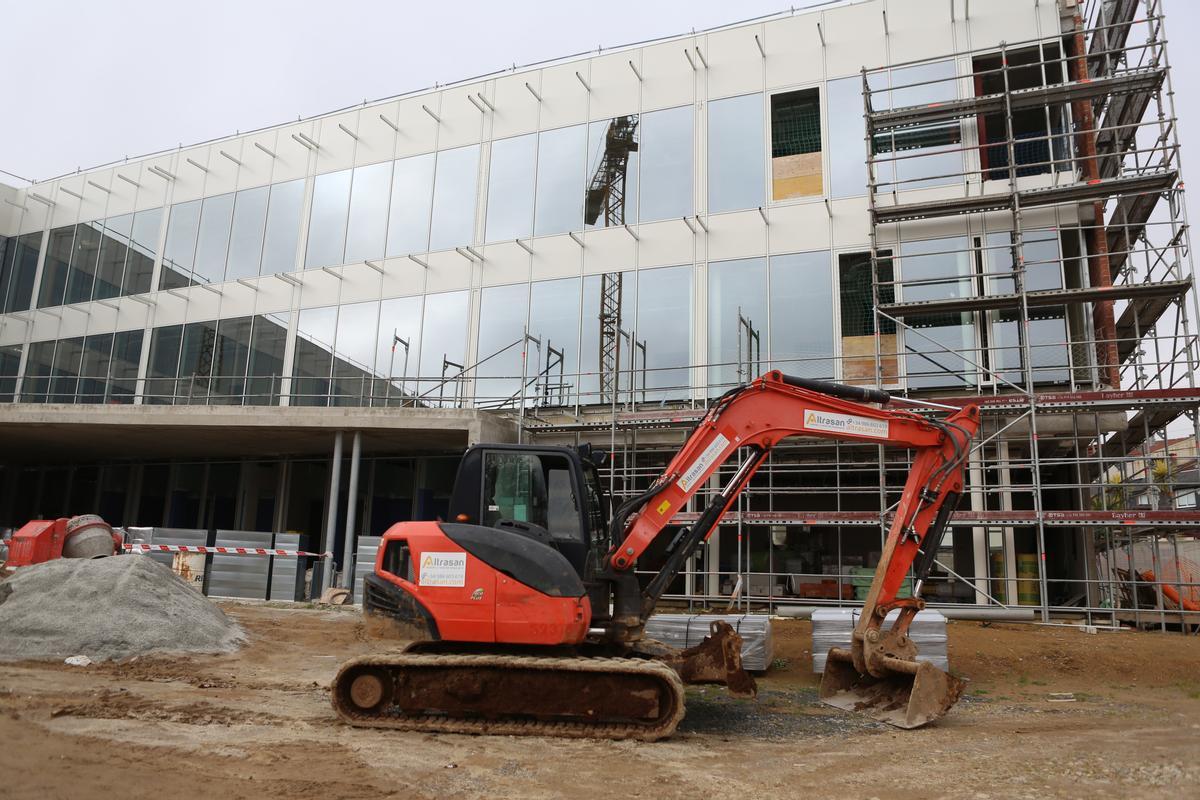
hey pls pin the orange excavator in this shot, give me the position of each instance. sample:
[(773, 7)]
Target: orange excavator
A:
[(525, 614)]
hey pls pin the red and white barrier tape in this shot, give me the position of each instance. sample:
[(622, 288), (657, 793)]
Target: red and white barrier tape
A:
[(227, 551)]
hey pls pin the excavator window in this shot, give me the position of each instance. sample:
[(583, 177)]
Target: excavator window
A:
[(531, 487), (397, 560)]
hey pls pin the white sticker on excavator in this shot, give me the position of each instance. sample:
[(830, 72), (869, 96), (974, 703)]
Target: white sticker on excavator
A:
[(696, 471), (845, 423), (443, 569)]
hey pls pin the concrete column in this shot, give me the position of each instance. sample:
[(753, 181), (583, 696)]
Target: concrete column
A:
[(351, 514), (327, 537)]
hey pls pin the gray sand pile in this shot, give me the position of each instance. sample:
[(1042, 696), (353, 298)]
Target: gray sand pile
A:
[(107, 608)]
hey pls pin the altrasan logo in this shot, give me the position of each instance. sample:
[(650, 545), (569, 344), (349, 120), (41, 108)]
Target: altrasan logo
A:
[(846, 423), (443, 569)]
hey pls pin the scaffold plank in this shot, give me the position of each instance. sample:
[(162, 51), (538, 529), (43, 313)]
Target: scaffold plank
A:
[(1144, 81), (1156, 181), (1165, 290)]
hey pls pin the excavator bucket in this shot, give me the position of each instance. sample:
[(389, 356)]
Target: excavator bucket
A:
[(912, 694)]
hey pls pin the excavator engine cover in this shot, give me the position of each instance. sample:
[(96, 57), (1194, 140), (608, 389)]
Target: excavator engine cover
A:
[(909, 695)]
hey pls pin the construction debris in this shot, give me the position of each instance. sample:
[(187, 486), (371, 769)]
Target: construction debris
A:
[(107, 608)]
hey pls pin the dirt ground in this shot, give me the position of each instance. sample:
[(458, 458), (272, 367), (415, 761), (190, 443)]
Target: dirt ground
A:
[(257, 724)]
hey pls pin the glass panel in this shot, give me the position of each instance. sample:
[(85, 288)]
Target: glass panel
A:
[(266, 360), (123, 368), (315, 332), (608, 320), (366, 232), (666, 178), (283, 228), (113, 249), (23, 272), (936, 269), (412, 200), (6, 253), (510, 189), (612, 172), (84, 254), (163, 365), (139, 268), (554, 321), (38, 368), (796, 169), (454, 198), (230, 354), (396, 349), (659, 349), (68, 359), (354, 358), (737, 321), (443, 347), (502, 316), (10, 361), (513, 489), (847, 135), (560, 167), (246, 239), (802, 315), (327, 223), (858, 319), (213, 243), (179, 253), (55, 269), (735, 153), (1047, 328), (93, 381), (196, 362), (924, 155)]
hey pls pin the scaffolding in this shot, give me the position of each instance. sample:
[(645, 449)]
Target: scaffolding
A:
[(1084, 479)]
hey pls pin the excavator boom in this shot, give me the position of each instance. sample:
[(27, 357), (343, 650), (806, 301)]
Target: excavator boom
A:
[(879, 674)]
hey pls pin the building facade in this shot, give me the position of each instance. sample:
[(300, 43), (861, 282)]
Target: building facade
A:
[(950, 200)]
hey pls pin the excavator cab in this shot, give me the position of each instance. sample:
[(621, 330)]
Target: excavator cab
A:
[(550, 494)]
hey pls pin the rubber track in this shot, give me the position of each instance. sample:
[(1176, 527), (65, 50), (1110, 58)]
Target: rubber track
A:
[(438, 723)]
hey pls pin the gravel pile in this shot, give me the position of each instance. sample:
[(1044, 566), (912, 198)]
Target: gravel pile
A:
[(107, 608)]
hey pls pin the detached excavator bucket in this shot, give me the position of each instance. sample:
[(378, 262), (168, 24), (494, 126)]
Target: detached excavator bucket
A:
[(912, 694)]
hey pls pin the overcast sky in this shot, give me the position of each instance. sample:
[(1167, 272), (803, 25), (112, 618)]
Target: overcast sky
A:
[(89, 83)]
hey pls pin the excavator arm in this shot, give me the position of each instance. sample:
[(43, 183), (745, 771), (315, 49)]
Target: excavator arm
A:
[(758, 416)]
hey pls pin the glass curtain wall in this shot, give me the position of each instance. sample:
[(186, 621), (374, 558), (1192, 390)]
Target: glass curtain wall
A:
[(735, 153), (502, 373), (660, 350), (613, 161), (737, 321), (554, 320), (444, 348), (397, 349), (666, 164), (802, 304), (510, 189), (101, 368), (18, 269), (560, 175)]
